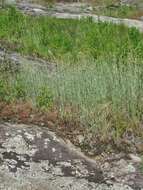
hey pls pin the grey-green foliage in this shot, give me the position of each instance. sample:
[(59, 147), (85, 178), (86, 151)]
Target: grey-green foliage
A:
[(105, 93), (99, 69)]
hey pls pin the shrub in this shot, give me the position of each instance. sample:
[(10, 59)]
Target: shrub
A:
[(45, 99), (5, 91), (19, 89)]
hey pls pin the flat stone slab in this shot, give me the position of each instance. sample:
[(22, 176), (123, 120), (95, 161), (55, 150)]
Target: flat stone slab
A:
[(64, 13), (33, 158)]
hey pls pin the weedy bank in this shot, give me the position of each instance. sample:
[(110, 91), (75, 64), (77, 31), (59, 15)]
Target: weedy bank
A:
[(97, 79)]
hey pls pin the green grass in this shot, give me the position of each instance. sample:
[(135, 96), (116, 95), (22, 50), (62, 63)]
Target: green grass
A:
[(67, 39), (98, 78)]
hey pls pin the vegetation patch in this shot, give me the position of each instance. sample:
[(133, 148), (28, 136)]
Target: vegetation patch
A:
[(97, 85), (67, 40)]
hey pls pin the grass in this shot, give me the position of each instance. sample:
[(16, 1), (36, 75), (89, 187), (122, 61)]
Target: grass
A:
[(98, 79), (100, 94), (67, 39)]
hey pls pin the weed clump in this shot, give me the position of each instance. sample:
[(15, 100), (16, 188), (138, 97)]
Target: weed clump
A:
[(44, 100)]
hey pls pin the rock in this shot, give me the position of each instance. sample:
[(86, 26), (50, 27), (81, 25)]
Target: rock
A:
[(80, 139), (39, 11), (124, 167), (141, 18), (121, 187), (137, 3), (135, 158), (106, 166), (139, 147), (130, 168), (35, 158), (9, 2), (75, 11), (13, 62), (31, 156), (121, 163)]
